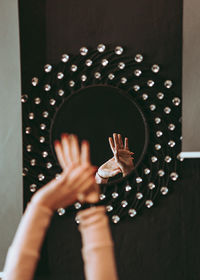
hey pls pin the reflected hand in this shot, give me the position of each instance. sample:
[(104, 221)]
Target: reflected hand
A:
[(109, 169), (122, 155)]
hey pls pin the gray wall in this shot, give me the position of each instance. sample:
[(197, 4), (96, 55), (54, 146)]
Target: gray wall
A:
[(191, 76), (10, 126)]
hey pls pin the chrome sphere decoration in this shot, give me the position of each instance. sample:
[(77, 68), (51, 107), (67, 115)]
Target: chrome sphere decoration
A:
[(102, 196), (160, 95), (65, 58), (139, 195), (154, 159), (137, 72), (42, 126), (101, 48), (168, 83), (41, 177), (121, 65), (104, 62), (24, 98), (74, 68), (147, 171), (123, 80), (161, 172), (167, 110), (138, 58), (47, 87), (61, 211), (138, 180), (171, 126), (150, 83), (111, 76), (83, 78), (152, 107), (60, 75), (48, 68), (37, 100), (97, 75), (155, 68), (83, 51), (31, 116), (151, 185), (33, 162), (168, 159), (119, 50), (42, 139), (145, 96), (115, 194), (35, 81), (128, 188), (159, 133), (109, 208), (115, 219), (88, 62), (71, 83), (136, 87), (132, 212), (45, 114), (124, 203), (157, 120), (164, 190), (174, 176), (33, 187), (61, 92), (176, 101), (28, 130), (149, 203), (48, 165), (29, 148)]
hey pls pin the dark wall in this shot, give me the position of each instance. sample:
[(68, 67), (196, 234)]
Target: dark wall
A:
[(161, 243)]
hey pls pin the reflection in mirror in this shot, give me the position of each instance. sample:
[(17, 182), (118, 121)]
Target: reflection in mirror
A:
[(120, 163), (113, 124)]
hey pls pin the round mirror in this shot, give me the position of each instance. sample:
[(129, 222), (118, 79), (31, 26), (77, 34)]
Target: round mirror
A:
[(95, 113)]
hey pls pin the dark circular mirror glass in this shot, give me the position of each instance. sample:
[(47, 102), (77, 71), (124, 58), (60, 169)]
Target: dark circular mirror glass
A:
[(95, 113)]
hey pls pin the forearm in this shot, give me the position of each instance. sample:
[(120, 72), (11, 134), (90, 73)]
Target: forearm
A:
[(24, 252), (97, 251)]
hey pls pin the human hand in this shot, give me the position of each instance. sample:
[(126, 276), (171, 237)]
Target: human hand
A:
[(109, 169), (64, 191), (68, 154), (122, 155), (76, 182)]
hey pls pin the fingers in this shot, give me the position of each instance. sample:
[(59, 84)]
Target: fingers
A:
[(79, 175), (120, 141), (85, 152), (59, 154), (75, 151), (112, 146), (67, 152), (126, 143), (116, 142)]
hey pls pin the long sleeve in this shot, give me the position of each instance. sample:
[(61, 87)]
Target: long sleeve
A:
[(97, 251), (24, 251)]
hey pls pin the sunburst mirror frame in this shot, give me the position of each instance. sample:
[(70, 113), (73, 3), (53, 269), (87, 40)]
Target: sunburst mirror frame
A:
[(155, 95)]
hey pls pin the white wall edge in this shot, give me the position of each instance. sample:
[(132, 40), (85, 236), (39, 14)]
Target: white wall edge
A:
[(190, 154)]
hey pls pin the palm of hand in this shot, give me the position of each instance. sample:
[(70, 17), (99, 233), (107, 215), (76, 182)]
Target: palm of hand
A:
[(109, 169), (124, 160)]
